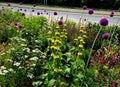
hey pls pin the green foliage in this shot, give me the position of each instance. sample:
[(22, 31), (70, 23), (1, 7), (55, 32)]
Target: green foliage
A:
[(43, 54)]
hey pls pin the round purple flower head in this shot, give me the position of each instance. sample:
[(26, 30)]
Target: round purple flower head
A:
[(104, 21), (2, 7), (60, 22), (91, 11), (25, 10), (21, 3), (23, 14), (112, 14), (8, 3), (41, 13), (34, 5), (105, 35), (84, 7), (21, 9), (38, 13), (19, 26), (32, 10), (55, 13)]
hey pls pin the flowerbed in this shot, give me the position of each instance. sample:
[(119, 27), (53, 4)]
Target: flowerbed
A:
[(41, 52)]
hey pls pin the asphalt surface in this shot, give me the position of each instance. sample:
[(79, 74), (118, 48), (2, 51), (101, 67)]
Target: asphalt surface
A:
[(66, 13)]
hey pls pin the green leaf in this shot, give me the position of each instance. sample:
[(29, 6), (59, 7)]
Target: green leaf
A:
[(36, 84), (80, 75), (43, 76), (51, 82)]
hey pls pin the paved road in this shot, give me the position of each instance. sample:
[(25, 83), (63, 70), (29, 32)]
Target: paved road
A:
[(71, 14)]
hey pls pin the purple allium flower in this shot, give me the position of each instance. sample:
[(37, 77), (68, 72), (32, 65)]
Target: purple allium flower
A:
[(60, 22), (101, 62), (104, 21), (34, 5), (38, 13), (41, 13), (2, 7), (112, 14), (90, 11), (105, 35), (19, 26), (55, 13), (84, 7), (47, 13), (8, 3), (23, 14), (20, 9), (32, 10), (84, 19), (21, 3), (25, 10)]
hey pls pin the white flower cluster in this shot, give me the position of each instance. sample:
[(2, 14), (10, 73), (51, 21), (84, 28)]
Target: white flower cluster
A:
[(30, 75), (4, 71), (16, 63)]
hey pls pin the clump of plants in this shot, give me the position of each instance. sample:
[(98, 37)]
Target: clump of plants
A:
[(58, 53)]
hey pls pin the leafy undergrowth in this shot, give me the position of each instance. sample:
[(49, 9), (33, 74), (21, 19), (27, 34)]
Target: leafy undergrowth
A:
[(57, 53)]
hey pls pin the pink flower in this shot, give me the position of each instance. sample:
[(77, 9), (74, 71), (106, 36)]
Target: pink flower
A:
[(101, 62)]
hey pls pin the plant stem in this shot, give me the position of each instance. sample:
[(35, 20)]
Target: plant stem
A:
[(89, 57), (112, 36)]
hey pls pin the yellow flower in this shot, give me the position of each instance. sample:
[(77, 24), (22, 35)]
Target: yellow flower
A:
[(65, 25), (49, 27), (57, 33), (81, 31), (64, 36), (80, 46), (57, 27), (52, 40), (79, 53), (54, 56), (57, 70), (55, 47), (96, 72), (49, 32), (82, 26), (80, 38), (82, 41), (84, 32), (75, 39), (84, 36), (58, 41), (64, 30)]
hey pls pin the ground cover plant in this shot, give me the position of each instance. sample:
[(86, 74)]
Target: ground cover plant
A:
[(40, 52)]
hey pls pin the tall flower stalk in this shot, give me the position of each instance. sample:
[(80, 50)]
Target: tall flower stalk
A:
[(103, 22)]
